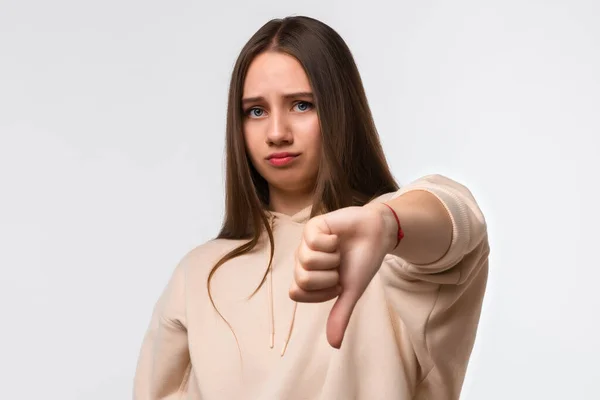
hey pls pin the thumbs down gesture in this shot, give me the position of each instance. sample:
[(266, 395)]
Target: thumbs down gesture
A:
[(339, 254)]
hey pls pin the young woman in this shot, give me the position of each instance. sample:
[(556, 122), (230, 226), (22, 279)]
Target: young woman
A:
[(327, 281)]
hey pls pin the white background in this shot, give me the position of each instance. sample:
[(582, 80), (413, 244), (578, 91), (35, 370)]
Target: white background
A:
[(112, 119)]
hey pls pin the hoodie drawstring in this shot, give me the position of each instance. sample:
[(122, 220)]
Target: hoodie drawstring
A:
[(289, 335), (271, 313), (270, 306)]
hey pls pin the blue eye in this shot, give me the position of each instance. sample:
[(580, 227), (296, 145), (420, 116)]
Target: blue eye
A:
[(255, 112), (303, 106)]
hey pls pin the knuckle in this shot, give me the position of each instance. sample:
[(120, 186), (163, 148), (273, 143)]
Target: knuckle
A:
[(311, 241), (294, 293), (303, 279), (313, 223), (301, 255), (335, 277), (308, 258)]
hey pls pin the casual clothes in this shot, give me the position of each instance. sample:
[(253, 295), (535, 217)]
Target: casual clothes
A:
[(410, 335)]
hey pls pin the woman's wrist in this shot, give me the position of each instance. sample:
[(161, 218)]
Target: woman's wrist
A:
[(390, 225)]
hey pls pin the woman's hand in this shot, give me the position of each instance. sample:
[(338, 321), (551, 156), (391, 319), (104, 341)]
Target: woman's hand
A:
[(339, 254)]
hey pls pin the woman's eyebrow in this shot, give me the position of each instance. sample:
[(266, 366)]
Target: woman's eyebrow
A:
[(285, 96)]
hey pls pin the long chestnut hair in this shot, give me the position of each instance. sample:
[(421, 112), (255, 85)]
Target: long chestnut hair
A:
[(353, 168)]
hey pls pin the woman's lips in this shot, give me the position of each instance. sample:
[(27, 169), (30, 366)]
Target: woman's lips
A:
[(281, 159)]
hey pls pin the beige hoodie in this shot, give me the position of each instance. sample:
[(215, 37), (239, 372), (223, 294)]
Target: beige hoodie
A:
[(410, 336)]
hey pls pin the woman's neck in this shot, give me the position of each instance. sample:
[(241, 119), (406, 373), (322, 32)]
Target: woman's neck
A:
[(289, 203)]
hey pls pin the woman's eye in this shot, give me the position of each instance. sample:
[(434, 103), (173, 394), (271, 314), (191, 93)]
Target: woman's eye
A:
[(303, 106), (255, 112)]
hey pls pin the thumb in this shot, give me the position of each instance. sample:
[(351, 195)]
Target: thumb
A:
[(339, 317)]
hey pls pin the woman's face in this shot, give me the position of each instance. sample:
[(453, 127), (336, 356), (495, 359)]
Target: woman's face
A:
[(281, 125)]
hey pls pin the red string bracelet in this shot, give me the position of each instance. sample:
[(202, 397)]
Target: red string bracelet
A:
[(400, 231)]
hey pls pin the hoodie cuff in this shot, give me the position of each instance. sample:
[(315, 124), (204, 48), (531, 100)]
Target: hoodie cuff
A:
[(458, 211)]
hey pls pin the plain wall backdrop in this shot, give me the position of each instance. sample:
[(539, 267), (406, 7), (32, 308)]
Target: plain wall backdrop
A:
[(112, 120)]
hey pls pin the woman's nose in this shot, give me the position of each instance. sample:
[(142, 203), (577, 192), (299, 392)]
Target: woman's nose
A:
[(279, 131)]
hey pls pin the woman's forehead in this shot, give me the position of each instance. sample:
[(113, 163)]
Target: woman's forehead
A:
[(275, 73)]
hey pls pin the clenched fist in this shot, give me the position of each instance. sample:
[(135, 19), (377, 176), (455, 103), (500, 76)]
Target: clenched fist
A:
[(339, 254)]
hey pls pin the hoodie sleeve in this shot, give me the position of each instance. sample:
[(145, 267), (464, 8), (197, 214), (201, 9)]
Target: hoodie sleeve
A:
[(438, 305), (164, 363)]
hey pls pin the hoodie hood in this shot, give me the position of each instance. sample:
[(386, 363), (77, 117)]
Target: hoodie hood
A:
[(300, 217)]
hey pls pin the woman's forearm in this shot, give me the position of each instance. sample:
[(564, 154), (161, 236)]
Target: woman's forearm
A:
[(426, 224)]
